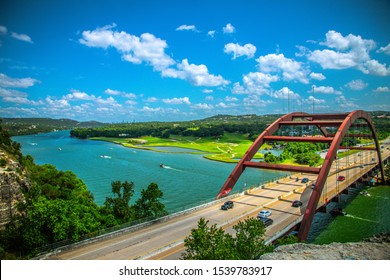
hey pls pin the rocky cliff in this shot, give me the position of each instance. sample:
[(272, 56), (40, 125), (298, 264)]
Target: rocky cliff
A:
[(375, 248), (12, 181)]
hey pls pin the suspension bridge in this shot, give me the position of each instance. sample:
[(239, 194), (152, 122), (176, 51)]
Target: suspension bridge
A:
[(164, 239)]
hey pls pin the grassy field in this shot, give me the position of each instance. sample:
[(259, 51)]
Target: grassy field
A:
[(229, 148)]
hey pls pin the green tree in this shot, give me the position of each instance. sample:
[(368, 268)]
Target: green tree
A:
[(209, 243), (119, 205), (212, 243), (249, 239), (149, 205)]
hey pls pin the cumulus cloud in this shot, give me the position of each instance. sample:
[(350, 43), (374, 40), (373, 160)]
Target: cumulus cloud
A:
[(187, 28), (3, 30), (385, 50), (211, 33), (207, 90), (197, 75), (8, 82), (120, 93), (22, 37), (203, 106), (146, 48), (290, 69), (229, 28), (349, 51), (151, 50), (237, 50), (78, 95), (256, 101), (255, 83), (317, 76), (356, 85), (175, 100), (284, 93), (325, 90), (343, 102), (382, 89)]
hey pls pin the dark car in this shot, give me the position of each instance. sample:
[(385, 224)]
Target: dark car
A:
[(227, 205), (266, 221), (305, 180), (296, 203), (341, 178)]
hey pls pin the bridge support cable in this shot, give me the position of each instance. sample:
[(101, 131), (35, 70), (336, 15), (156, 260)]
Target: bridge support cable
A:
[(330, 156), (275, 132)]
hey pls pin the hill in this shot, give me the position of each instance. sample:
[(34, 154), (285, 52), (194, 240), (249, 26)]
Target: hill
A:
[(23, 126)]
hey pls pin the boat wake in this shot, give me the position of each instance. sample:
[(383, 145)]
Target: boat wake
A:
[(168, 167), (354, 217)]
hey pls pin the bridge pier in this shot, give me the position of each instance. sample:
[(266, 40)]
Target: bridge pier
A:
[(322, 209)]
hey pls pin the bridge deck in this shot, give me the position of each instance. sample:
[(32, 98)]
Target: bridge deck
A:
[(165, 240)]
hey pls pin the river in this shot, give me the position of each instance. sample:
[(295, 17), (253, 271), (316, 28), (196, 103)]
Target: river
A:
[(187, 179)]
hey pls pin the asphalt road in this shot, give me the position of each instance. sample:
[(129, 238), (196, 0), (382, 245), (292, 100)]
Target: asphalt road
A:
[(165, 240)]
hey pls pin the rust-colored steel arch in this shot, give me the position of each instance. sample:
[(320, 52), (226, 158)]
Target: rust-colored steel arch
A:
[(322, 121), (240, 167), (330, 156)]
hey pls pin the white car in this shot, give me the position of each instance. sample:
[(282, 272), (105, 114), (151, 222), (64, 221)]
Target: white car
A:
[(264, 214)]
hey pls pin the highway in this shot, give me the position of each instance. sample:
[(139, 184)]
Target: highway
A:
[(165, 240)]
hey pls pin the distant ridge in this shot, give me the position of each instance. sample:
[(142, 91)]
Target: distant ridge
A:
[(24, 126)]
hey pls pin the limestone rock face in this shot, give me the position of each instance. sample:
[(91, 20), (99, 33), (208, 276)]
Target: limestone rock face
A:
[(375, 248), (12, 180)]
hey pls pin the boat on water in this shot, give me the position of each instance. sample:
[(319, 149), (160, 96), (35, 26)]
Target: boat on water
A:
[(162, 165), (104, 156)]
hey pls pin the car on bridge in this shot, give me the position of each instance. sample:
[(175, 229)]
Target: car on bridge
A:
[(296, 203), (341, 178), (266, 221), (264, 214), (305, 180), (227, 205)]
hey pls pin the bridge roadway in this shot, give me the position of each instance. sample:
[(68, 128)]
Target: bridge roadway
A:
[(165, 240)]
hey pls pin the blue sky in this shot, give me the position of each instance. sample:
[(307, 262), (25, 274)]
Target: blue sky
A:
[(167, 60)]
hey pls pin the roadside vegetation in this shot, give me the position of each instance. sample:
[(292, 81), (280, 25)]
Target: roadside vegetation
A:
[(212, 243), (58, 207)]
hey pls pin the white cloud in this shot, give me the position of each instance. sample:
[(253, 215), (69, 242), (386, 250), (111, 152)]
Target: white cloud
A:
[(254, 83), (202, 106), (151, 99), (150, 49), (310, 100), (197, 75), (209, 98), (238, 50), (350, 51), (385, 50), (77, 95), (255, 101), (211, 33), (175, 100), (146, 48), (317, 76), (231, 99), (8, 82), (382, 89), (284, 93), (207, 90), (229, 28), (120, 93), (325, 90), (345, 103), (356, 85), (22, 37), (3, 30), (375, 68), (187, 27), (290, 69)]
